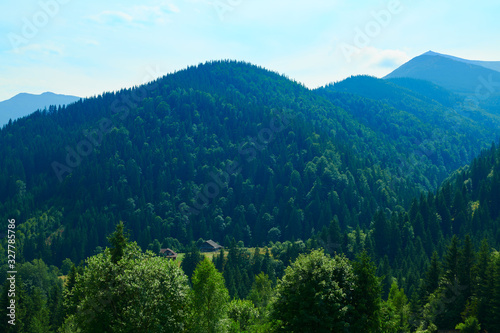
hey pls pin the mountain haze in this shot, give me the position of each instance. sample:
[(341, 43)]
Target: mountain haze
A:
[(456, 75), (494, 65), (477, 83), (23, 104)]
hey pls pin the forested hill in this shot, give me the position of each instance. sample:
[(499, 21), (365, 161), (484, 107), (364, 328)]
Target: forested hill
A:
[(220, 150), (464, 214), (422, 99), (422, 120)]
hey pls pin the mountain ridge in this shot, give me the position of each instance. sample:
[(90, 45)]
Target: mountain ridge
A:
[(454, 75), (494, 65), (24, 104), (475, 82)]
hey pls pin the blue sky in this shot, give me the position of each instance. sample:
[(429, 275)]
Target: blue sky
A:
[(87, 47)]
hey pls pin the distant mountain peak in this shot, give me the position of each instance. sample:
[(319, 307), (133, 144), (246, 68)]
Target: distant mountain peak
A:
[(456, 74), (493, 65), (24, 104), (431, 53)]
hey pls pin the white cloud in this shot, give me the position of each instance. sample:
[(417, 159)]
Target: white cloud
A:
[(154, 14), (36, 50), (137, 15), (173, 8), (87, 41), (112, 17), (374, 57)]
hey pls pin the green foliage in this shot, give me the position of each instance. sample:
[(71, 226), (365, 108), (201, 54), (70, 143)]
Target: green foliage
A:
[(433, 276), (353, 168), (471, 325), (209, 298), (366, 296), (315, 294), (492, 295), (191, 260), (395, 312), (38, 313), (237, 271), (118, 241), (261, 291), (336, 154), (243, 314), (66, 266), (140, 292)]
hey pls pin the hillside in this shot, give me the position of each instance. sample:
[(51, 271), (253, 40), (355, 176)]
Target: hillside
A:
[(158, 157), (465, 214), (419, 119)]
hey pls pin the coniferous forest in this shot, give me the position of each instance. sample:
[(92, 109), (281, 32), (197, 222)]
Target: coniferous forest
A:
[(367, 205)]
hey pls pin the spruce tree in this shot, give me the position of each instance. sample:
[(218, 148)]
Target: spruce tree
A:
[(431, 281), (118, 241), (38, 313), (366, 296), (481, 287)]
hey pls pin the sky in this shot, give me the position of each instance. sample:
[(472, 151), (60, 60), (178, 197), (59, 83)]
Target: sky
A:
[(85, 48)]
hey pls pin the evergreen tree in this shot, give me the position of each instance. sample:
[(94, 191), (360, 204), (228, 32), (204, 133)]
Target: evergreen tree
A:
[(366, 296), (482, 280), (384, 270), (431, 282), (380, 233), (69, 304), (452, 295), (261, 291), (493, 319), (38, 313), (191, 259), (55, 305), (118, 241), (466, 269)]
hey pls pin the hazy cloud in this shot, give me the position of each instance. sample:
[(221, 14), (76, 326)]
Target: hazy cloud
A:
[(142, 15), (112, 17)]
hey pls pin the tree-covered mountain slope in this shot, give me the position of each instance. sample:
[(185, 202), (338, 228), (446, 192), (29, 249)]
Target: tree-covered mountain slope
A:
[(219, 150), (476, 82), (431, 139), (459, 223), (419, 97)]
